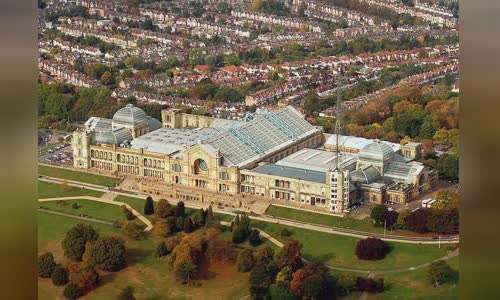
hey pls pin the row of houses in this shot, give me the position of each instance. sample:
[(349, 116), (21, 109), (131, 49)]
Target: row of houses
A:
[(284, 21), (66, 74)]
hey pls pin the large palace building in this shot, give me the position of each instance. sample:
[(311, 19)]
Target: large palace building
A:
[(266, 156)]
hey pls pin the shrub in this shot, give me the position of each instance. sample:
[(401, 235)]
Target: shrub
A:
[(129, 215), (179, 223), (75, 206), (369, 285), (133, 230), (72, 291), (108, 254), (161, 249), (239, 235), (60, 276), (254, 238), (371, 249), (439, 272), (285, 232), (123, 208), (127, 293), (46, 265), (188, 225)]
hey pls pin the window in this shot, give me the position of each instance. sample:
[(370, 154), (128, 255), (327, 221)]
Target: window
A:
[(176, 168), (223, 175)]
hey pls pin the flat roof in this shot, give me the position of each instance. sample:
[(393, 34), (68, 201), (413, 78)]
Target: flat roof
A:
[(316, 160), (291, 172), (357, 142)]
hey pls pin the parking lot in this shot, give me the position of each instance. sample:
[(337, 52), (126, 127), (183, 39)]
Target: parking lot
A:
[(58, 154)]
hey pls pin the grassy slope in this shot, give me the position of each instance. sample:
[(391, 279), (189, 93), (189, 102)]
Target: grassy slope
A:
[(339, 250), (78, 176), (414, 285), (148, 275), (97, 210), (53, 190)]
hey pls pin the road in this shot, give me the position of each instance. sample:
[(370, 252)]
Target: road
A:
[(266, 218), (74, 216)]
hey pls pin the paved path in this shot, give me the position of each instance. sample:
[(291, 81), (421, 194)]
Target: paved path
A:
[(264, 218), (148, 223), (74, 216)]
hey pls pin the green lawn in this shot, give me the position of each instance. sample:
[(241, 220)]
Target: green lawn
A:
[(330, 220), (96, 210), (147, 274), (78, 176), (414, 285), (338, 250), (53, 190)]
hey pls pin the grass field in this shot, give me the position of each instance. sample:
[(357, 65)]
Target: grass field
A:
[(329, 220), (147, 274), (414, 285), (96, 210), (77, 176), (338, 250), (53, 190)]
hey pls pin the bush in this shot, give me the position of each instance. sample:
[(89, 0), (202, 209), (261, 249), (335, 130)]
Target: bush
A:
[(188, 225), (72, 291), (285, 232), (439, 272), (133, 230), (60, 276), (371, 249), (46, 265), (161, 249), (108, 254), (75, 206), (370, 285), (254, 238), (417, 220)]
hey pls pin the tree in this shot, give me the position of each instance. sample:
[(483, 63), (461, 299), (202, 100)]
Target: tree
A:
[(289, 253), (133, 230), (127, 293), (108, 254), (260, 280), (75, 239), (148, 25), (164, 208), (60, 276), (370, 285), (400, 223), (254, 238), (179, 210), (443, 221), (371, 249), (161, 249), (87, 278), (149, 206), (72, 291), (296, 285), (439, 272), (223, 7), (46, 265), (179, 223), (347, 283), (446, 198), (188, 225), (390, 218), (186, 272), (245, 260), (211, 220), (239, 235), (219, 250), (280, 291), (264, 255), (313, 286), (187, 251), (162, 229), (285, 275), (129, 215), (285, 232), (107, 78), (377, 214), (199, 217), (448, 166), (417, 220), (257, 5)]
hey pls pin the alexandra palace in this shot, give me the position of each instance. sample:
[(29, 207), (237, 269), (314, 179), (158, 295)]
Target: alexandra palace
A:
[(267, 156)]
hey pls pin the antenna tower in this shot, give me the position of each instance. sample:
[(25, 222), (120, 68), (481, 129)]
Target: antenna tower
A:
[(338, 122)]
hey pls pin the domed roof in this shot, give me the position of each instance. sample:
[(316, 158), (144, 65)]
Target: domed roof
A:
[(129, 115), (114, 137), (376, 152)]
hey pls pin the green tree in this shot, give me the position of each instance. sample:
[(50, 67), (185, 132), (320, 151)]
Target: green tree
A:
[(60, 276), (400, 223), (446, 198), (228, 94), (149, 206), (72, 291), (245, 260), (46, 265), (107, 78), (75, 239), (448, 166), (313, 287), (254, 238), (429, 128), (164, 208), (280, 291), (108, 254), (211, 220), (439, 272), (180, 211), (186, 272), (133, 230), (377, 214), (127, 293)]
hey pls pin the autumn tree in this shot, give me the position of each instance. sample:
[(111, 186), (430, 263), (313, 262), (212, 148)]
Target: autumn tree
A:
[(256, 5), (219, 250), (290, 253), (75, 239), (162, 229), (188, 251), (296, 285), (245, 260), (417, 220), (133, 230), (446, 198), (264, 254), (46, 265), (107, 78), (164, 208), (127, 293), (443, 221), (401, 221)]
